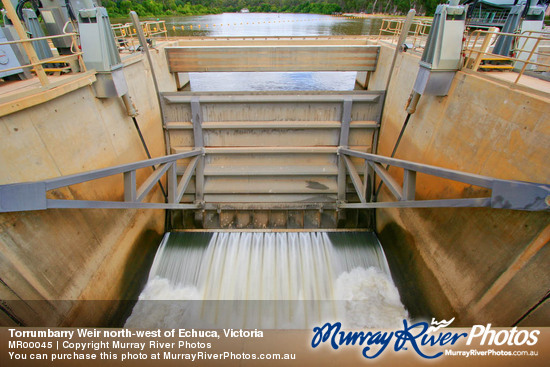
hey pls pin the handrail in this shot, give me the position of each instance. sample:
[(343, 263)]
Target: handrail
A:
[(40, 38), (74, 56), (49, 60), (526, 43), (32, 195), (418, 32), (126, 33), (505, 194)]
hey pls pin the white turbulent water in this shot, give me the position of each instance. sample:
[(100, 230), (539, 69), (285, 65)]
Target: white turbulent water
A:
[(269, 280)]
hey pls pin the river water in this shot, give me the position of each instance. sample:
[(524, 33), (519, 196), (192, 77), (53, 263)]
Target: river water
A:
[(268, 280), (272, 25)]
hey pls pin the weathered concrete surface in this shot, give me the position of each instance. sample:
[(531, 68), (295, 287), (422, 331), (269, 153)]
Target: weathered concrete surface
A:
[(457, 256), (54, 255)]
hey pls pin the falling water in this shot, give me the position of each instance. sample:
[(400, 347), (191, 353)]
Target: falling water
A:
[(268, 280)]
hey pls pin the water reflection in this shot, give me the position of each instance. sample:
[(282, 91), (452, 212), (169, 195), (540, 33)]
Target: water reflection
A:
[(271, 25), (272, 81)]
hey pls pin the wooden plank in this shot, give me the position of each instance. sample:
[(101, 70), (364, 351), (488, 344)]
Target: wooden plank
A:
[(484, 47), (41, 95), (29, 49), (272, 58)]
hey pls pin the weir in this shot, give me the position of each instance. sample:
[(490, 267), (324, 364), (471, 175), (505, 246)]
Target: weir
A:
[(259, 185), (268, 280)]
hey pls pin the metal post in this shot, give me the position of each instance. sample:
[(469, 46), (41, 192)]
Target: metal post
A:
[(484, 48), (143, 44), (409, 184), (29, 49), (196, 111), (344, 136), (527, 61), (400, 41)]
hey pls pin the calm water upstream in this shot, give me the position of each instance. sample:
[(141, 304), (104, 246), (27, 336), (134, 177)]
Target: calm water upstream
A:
[(272, 25)]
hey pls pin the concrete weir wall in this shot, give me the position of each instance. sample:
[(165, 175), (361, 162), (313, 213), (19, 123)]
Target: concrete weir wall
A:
[(48, 257), (478, 265)]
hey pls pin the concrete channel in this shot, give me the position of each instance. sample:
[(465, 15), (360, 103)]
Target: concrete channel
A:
[(274, 161)]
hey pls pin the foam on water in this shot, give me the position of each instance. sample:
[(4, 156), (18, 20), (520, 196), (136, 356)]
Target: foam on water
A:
[(268, 280)]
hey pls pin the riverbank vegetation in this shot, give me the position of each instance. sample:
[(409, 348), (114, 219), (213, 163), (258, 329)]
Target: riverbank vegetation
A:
[(121, 8)]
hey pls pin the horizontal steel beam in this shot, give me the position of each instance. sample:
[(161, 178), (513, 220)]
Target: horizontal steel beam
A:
[(187, 125), (469, 178), (271, 150), (444, 203), (32, 195), (270, 206), (505, 194), (272, 41), (272, 58), (63, 181), (93, 204), (183, 97)]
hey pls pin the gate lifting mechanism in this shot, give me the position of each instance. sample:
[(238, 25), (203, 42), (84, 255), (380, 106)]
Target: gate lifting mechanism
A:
[(505, 194)]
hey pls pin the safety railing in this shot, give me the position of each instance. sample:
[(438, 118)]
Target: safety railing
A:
[(525, 53), (481, 16), (74, 60), (126, 35), (417, 35), (155, 28), (505, 194), (33, 195)]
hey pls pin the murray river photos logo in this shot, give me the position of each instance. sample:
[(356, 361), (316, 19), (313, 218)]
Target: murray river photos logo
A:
[(418, 336)]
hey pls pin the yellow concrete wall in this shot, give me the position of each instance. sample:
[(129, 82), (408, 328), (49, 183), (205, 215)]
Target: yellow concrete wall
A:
[(455, 256), (47, 256)]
